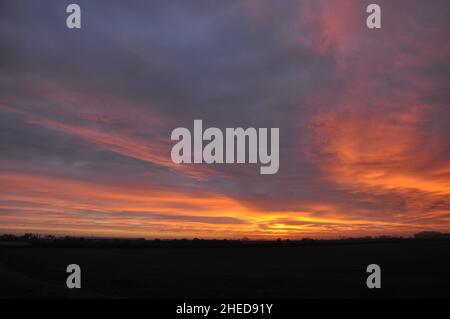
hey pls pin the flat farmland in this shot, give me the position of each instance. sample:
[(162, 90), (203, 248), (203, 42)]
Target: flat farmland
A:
[(409, 270)]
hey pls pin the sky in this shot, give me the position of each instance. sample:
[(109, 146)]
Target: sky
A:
[(86, 117)]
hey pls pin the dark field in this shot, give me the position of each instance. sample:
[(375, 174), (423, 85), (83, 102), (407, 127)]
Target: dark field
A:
[(409, 270)]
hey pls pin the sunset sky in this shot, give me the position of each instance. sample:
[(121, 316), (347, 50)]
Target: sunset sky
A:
[(86, 117)]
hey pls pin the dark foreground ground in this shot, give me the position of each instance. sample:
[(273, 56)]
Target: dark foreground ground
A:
[(409, 270)]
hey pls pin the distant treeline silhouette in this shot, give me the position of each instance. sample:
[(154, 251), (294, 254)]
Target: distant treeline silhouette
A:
[(37, 240)]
